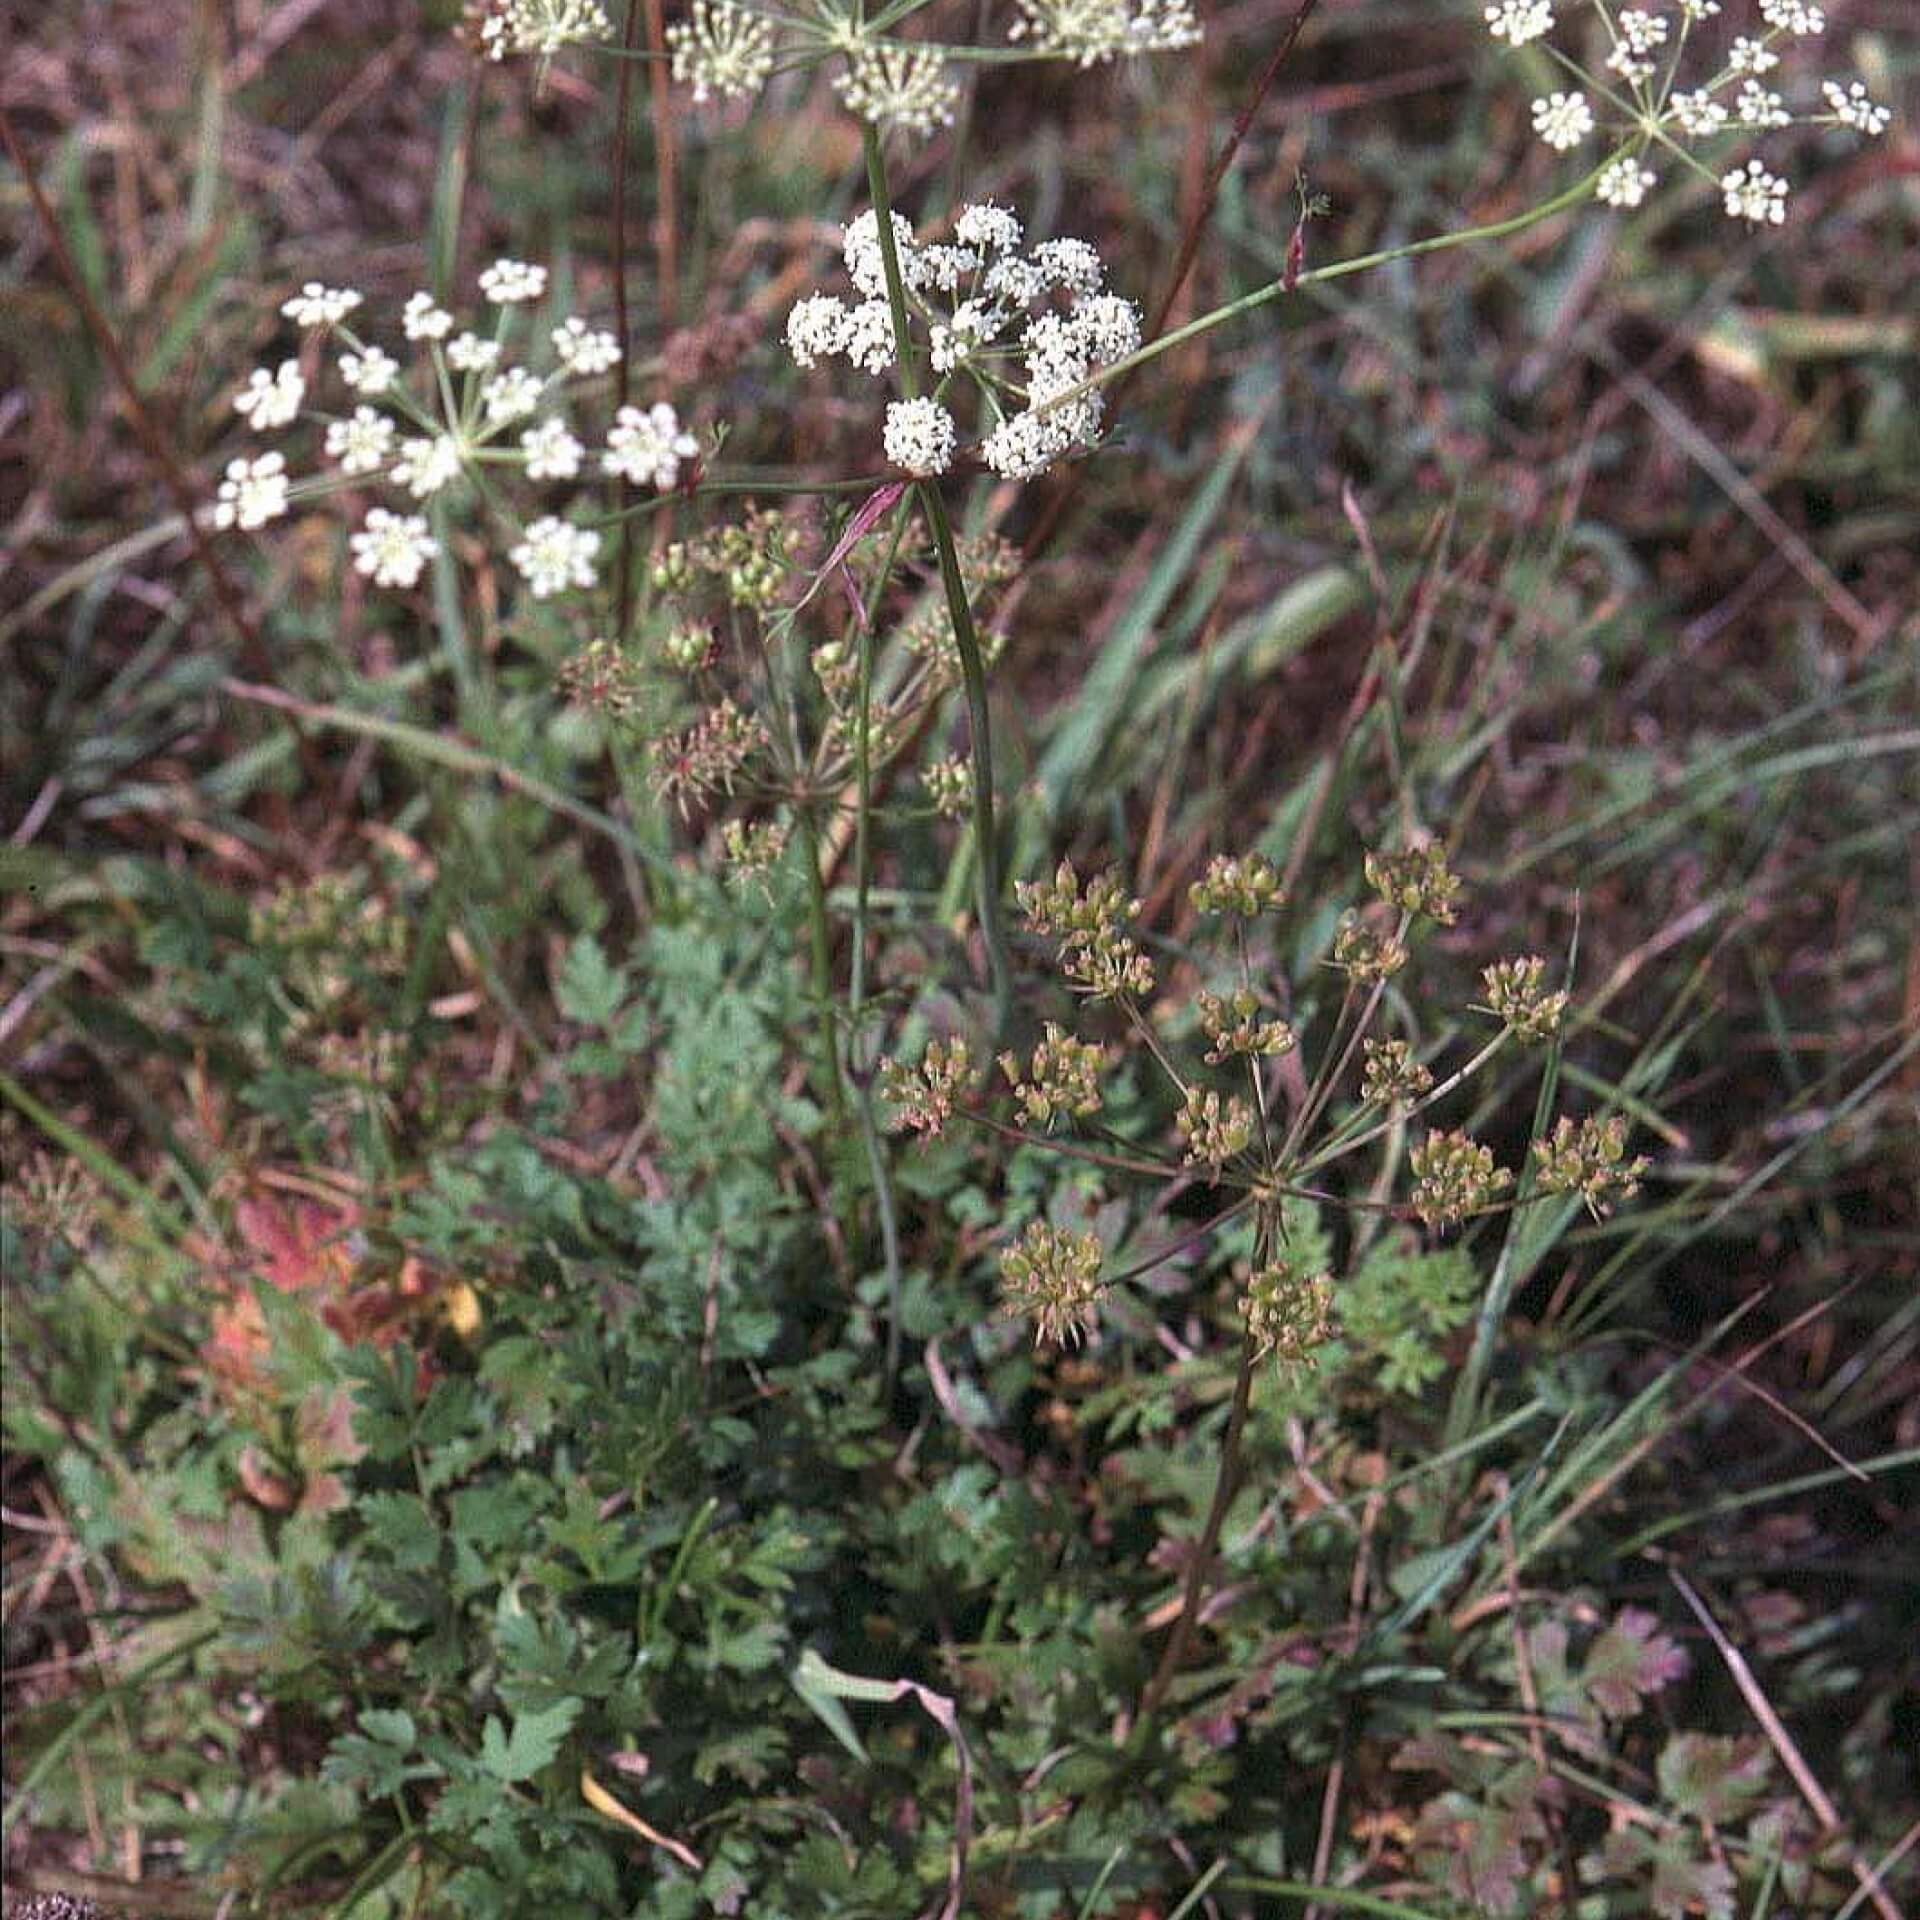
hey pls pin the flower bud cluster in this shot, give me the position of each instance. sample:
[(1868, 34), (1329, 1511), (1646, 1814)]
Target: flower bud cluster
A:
[(1063, 1079), (1233, 1023), (1052, 1276), (1215, 1130), (1289, 1313), (1454, 1176), (1096, 953), (1244, 884), (1517, 995), (1363, 955), (1392, 1077), (1589, 1160), (709, 756), (603, 676), (922, 1097), (1416, 880)]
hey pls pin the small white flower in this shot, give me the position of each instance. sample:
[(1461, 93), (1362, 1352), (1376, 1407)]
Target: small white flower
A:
[(254, 492), (509, 283), (973, 324), (1641, 29), (860, 249), (816, 329), (945, 267), (992, 229), (1624, 183), (510, 396), (393, 548), (1092, 32), (468, 353), (1759, 108), (919, 437), (552, 452), (1854, 107), (867, 339), (361, 444), (723, 49), (582, 351), (1024, 446), (425, 466), (1793, 16), (1107, 326), (1698, 113), (1563, 120), (894, 85), (1518, 21), (647, 447), (1754, 194), (1070, 264), (540, 27), (1634, 68), (318, 306), (422, 320), (1751, 56), (370, 373), (1698, 10), (556, 555), (271, 400)]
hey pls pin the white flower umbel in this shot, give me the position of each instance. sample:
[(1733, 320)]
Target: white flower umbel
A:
[(722, 49), (1853, 107), (897, 86), (919, 437), (512, 283), (468, 353), (422, 320), (556, 555), (987, 306), (1793, 16), (393, 548), (1563, 120), (1681, 93), (425, 466), (1754, 194), (510, 396), (318, 306), (254, 492), (647, 447), (370, 372), (271, 400), (581, 350), (552, 452), (1624, 183), (1091, 32), (1519, 21), (363, 443), (540, 27)]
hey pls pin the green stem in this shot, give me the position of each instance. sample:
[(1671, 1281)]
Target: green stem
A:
[(822, 957), (972, 668), (1318, 276)]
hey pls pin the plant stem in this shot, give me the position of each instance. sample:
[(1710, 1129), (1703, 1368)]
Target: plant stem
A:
[(822, 960), (972, 668), (1155, 1695), (1317, 276)]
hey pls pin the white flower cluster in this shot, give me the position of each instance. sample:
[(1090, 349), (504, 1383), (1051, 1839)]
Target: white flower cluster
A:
[(896, 85), (983, 302), (540, 27), (721, 49), (1091, 32), (467, 411), (1644, 106)]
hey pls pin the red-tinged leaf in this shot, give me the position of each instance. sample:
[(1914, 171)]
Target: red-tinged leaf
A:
[(1630, 1661), (1711, 1778)]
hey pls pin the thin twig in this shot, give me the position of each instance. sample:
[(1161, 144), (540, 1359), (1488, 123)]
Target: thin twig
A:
[(622, 318)]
